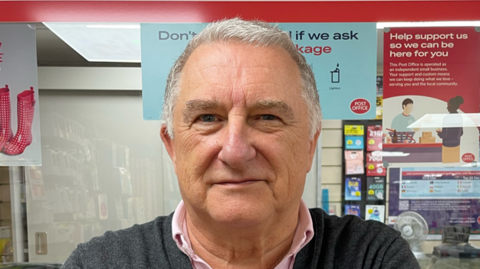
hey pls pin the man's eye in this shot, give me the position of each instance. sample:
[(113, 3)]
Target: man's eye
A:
[(207, 118), (268, 117)]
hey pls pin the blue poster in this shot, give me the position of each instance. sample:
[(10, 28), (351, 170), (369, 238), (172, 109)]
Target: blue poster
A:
[(344, 60), (162, 44), (343, 57)]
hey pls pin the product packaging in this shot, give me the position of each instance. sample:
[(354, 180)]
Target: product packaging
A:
[(354, 142), (352, 210), (353, 189), (374, 138), (354, 130), (354, 162), (375, 188), (375, 164), (375, 212)]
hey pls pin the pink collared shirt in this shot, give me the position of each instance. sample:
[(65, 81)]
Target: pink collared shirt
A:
[(303, 235)]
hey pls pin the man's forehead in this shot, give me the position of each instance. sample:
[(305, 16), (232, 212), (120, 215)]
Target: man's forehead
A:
[(233, 53), (219, 61), (238, 73)]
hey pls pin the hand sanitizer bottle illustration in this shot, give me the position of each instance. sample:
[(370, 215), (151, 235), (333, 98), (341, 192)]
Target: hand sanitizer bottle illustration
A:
[(335, 75)]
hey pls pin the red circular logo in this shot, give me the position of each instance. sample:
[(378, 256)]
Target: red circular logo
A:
[(468, 157), (360, 106), (478, 220)]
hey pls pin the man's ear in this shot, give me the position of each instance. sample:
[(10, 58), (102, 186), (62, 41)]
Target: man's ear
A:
[(169, 144), (313, 147), (313, 144)]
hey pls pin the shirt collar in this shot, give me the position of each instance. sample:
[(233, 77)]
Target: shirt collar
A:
[(303, 234)]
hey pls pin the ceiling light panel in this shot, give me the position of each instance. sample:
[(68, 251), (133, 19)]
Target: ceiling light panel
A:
[(101, 42)]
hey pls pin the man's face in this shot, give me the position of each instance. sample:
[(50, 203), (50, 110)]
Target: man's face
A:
[(408, 109), (241, 146)]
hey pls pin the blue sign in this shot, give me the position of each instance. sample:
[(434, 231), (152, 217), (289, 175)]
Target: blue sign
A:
[(162, 44), (343, 57)]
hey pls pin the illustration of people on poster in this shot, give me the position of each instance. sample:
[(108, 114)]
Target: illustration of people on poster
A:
[(431, 96), (19, 111)]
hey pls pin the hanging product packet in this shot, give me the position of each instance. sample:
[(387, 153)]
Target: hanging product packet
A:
[(353, 189), (375, 188), (375, 212), (374, 138), (354, 142), (375, 164), (354, 162), (352, 210)]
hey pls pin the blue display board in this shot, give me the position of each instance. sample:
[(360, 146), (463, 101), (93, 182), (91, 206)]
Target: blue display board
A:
[(442, 195), (342, 55), (440, 183)]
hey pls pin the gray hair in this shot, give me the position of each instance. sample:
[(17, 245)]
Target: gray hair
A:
[(252, 33)]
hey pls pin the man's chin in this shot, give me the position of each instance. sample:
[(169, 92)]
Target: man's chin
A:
[(240, 212)]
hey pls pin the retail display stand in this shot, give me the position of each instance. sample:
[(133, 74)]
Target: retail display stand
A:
[(364, 181)]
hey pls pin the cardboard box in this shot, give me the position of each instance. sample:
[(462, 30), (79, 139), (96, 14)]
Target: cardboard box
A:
[(426, 134), (427, 140)]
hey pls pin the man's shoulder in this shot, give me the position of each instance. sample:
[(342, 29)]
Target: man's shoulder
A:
[(350, 242), (138, 232), (139, 246)]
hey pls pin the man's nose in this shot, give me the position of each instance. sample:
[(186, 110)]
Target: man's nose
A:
[(237, 149)]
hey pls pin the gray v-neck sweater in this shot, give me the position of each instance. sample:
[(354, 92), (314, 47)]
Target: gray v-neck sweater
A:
[(348, 242)]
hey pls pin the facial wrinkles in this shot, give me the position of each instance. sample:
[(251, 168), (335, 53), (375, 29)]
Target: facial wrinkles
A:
[(288, 174), (193, 107), (284, 174), (234, 92)]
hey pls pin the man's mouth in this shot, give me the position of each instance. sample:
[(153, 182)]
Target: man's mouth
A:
[(238, 183)]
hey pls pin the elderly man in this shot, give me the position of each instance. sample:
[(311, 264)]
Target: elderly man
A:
[(242, 119)]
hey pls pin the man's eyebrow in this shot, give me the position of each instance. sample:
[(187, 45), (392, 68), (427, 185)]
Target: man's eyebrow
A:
[(193, 106), (279, 106)]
